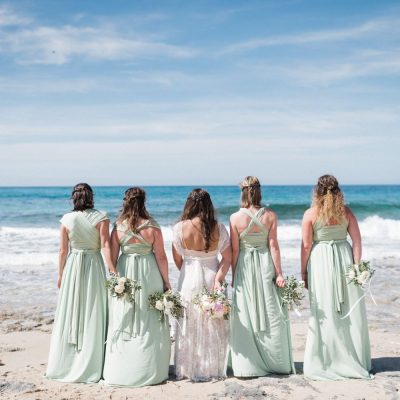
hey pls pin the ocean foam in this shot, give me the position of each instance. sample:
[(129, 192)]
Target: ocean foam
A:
[(37, 247)]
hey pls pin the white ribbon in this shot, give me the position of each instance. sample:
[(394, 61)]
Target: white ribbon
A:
[(297, 312), (368, 291)]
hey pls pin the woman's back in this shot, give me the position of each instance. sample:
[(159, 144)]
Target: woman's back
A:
[(189, 241), (81, 226), (139, 241), (322, 232)]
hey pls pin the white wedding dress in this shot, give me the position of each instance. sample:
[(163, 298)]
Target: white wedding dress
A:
[(201, 342)]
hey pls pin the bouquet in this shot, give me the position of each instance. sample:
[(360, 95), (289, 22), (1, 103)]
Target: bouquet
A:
[(214, 304), (360, 274), (292, 293), (168, 303), (122, 288)]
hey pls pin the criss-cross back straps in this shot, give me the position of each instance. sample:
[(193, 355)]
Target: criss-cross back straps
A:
[(255, 219), (129, 234)]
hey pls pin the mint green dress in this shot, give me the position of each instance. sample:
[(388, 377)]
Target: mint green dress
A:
[(138, 344), (336, 348), (260, 332), (77, 343)]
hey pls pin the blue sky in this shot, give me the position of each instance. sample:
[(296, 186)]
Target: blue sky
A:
[(199, 92)]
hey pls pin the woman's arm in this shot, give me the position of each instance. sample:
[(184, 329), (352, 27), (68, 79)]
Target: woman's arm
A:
[(178, 259), (63, 252), (105, 244), (275, 251), (306, 244), (161, 257), (115, 247), (354, 232), (223, 268), (235, 246)]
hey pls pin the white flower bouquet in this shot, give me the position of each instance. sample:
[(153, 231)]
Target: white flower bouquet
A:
[(168, 304), (292, 293), (213, 304), (122, 288), (360, 274)]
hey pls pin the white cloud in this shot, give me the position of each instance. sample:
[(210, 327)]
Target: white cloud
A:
[(330, 70), (36, 44), (372, 27), (9, 18), (189, 121)]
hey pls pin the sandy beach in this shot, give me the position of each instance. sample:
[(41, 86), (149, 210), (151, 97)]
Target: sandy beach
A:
[(24, 343)]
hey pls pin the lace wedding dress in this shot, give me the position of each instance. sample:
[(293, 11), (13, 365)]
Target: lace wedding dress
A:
[(201, 342)]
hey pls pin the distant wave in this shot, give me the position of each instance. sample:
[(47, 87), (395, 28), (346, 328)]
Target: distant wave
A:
[(296, 211), (20, 246), (372, 227)]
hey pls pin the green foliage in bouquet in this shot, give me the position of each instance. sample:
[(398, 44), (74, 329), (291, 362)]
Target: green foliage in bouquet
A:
[(122, 288), (168, 304), (360, 274), (292, 293)]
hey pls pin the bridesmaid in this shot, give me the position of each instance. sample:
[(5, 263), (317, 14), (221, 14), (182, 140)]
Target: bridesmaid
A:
[(198, 240), (260, 331), (77, 343), (138, 344), (336, 348)]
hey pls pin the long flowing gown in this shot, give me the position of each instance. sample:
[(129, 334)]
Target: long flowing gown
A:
[(260, 329), (77, 343), (337, 347), (138, 344), (201, 342)]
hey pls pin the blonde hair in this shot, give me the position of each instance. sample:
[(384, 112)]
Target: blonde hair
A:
[(251, 192), (329, 200)]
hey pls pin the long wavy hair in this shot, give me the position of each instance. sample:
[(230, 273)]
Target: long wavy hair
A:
[(134, 207), (329, 200), (199, 204), (82, 197), (251, 192)]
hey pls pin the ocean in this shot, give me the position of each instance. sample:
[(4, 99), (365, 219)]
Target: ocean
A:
[(29, 230)]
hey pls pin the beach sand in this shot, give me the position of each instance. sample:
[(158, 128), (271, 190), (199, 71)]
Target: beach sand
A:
[(24, 344)]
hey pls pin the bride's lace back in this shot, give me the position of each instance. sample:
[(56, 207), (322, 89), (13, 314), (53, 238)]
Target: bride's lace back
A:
[(201, 342)]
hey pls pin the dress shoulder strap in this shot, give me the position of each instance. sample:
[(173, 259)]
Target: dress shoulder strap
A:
[(255, 219), (128, 234)]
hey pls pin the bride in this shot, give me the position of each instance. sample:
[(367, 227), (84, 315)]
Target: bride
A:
[(201, 342)]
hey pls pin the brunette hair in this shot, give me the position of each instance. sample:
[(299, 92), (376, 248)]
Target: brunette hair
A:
[(199, 204), (82, 197), (133, 207), (329, 200), (251, 192)]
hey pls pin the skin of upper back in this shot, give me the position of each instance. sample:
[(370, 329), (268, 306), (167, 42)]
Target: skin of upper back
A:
[(193, 238)]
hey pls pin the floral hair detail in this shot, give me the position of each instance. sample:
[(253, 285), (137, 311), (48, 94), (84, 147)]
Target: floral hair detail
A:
[(198, 196)]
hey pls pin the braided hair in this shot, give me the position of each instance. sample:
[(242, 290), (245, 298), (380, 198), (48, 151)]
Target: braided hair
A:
[(251, 192), (82, 197), (134, 207)]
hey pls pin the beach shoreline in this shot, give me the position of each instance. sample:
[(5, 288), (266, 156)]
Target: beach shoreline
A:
[(24, 347)]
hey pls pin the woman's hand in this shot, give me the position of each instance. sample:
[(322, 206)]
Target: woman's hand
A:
[(280, 281), (304, 277), (167, 286), (113, 271), (59, 281), (217, 286)]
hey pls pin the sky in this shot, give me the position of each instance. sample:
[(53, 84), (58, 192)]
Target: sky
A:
[(147, 92)]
